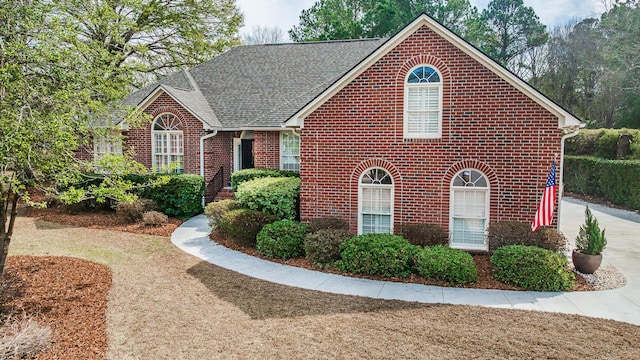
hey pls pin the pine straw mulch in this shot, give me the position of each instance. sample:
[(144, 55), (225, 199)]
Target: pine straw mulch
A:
[(99, 219), (68, 295), (482, 262)]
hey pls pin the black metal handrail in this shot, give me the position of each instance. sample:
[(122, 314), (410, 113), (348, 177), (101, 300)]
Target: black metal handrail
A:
[(215, 185)]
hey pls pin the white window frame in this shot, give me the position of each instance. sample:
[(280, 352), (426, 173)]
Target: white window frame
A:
[(286, 156), (458, 190), (174, 132), (409, 87), (106, 144), (362, 187)]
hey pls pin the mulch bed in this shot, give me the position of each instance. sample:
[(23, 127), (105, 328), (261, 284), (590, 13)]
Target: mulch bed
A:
[(66, 294), (99, 219), (483, 264)]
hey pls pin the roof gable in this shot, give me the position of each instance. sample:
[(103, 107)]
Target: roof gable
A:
[(565, 118)]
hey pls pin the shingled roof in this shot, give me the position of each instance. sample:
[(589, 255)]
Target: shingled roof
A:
[(259, 86)]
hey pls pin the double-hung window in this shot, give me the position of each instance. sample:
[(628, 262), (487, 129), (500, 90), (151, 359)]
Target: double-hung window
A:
[(469, 210), (167, 143), (423, 103), (289, 151)]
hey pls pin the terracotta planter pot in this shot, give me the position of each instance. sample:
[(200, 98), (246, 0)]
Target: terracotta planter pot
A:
[(585, 263)]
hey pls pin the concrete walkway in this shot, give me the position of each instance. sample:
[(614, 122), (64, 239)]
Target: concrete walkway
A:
[(622, 252)]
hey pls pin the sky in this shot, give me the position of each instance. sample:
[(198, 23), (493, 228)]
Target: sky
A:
[(285, 13)]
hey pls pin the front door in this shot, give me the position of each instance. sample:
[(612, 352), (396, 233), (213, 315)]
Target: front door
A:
[(242, 154)]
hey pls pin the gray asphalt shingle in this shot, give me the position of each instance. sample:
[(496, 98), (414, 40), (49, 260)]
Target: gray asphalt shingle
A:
[(262, 86)]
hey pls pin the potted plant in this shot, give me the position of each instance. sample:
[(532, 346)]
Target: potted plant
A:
[(590, 242)]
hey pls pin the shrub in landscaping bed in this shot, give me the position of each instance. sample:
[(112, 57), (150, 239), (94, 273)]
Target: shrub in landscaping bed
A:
[(423, 234), (323, 246), (377, 254), (532, 268), (243, 225), (154, 218), (446, 264), (133, 211), (180, 197), (245, 175), (282, 239), (276, 196), (502, 233), (328, 222), (214, 211)]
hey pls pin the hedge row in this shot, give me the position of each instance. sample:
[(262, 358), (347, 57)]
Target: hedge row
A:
[(617, 181), (245, 175), (602, 143)]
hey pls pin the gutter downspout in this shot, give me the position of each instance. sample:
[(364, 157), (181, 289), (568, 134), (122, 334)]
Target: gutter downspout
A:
[(202, 139), (575, 131)]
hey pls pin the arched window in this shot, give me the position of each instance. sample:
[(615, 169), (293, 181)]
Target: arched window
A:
[(375, 202), (167, 143), (469, 210), (423, 103)]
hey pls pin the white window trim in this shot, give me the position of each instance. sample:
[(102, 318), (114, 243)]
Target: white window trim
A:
[(282, 155), (154, 164), (111, 143), (487, 191), (375, 186), (407, 86)]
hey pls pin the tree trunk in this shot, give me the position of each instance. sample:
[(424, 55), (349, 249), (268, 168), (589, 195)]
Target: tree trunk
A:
[(8, 211), (5, 239)]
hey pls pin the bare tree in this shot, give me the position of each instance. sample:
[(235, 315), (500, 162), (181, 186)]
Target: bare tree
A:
[(264, 35)]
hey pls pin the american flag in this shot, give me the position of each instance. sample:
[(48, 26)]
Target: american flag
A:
[(544, 215)]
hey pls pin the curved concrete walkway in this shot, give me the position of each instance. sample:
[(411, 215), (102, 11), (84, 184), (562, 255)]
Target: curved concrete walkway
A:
[(623, 229)]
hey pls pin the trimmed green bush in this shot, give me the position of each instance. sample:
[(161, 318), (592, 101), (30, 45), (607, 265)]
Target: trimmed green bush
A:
[(245, 175), (323, 246), (180, 197), (214, 211), (532, 268), (446, 264), (614, 180), (276, 196), (326, 223), (602, 143), (243, 225), (423, 234), (377, 254), (502, 233), (282, 239)]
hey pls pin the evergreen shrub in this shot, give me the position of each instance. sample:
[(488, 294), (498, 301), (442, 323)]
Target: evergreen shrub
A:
[(446, 264), (214, 211), (282, 239), (323, 246), (245, 175), (377, 254), (532, 268), (423, 234), (276, 196), (243, 225)]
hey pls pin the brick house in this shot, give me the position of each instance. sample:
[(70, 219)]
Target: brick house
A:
[(420, 127)]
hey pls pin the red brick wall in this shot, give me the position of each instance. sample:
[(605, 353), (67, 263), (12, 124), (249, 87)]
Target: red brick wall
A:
[(487, 125), (266, 149)]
